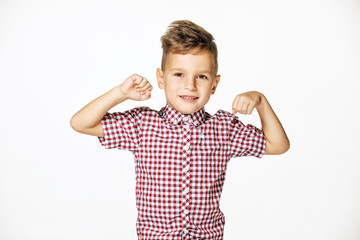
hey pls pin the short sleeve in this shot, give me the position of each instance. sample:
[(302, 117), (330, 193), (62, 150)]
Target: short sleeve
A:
[(122, 129), (245, 140)]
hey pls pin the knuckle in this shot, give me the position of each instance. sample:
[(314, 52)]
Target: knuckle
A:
[(135, 76), (241, 97)]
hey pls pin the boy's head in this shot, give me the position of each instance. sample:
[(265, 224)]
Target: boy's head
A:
[(189, 66), (184, 37)]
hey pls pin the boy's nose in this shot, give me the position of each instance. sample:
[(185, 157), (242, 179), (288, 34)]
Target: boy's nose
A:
[(190, 84)]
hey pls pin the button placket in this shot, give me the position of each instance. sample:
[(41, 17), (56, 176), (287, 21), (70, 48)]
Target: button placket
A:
[(186, 174)]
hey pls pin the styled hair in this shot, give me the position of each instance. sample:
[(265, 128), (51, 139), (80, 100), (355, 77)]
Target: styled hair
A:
[(183, 37)]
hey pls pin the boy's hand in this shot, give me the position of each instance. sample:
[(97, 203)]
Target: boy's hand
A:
[(245, 103), (136, 88)]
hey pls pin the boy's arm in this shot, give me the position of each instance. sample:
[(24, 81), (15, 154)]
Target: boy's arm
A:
[(277, 141), (88, 119)]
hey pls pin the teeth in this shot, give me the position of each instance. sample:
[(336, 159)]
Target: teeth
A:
[(188, 97)]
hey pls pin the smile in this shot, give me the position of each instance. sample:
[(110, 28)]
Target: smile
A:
[(188, 97)]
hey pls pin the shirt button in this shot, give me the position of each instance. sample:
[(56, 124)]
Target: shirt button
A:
[(185, 230), (187, 147), (185, 119), (186, 190), (186, 211), (187, 168)]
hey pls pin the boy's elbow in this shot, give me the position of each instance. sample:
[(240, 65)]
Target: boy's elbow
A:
[(78, 126), (285, 147), (74, 123), (277, 149)]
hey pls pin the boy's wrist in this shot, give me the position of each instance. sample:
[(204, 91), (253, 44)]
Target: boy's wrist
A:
[(262, 101), (118, 94)]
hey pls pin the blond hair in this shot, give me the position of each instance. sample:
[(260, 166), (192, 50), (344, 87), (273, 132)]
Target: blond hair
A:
[(183, 37)]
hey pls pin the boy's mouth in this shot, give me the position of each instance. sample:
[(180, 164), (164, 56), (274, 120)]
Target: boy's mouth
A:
[(188, 97)]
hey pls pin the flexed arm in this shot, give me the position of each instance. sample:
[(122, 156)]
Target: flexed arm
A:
[(88, 119), (277, 141)]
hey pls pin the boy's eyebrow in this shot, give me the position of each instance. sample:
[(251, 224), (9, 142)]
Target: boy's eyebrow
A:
[(177, 69), (183, 70)]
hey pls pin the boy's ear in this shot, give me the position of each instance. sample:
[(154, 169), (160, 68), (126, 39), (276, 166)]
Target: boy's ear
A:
[(216, 81), (160, 78)]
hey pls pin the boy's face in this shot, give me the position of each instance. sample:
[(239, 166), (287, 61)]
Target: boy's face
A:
[(188, 81)]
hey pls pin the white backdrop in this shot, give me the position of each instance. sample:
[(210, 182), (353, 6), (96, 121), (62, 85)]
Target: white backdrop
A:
[(56, 56)]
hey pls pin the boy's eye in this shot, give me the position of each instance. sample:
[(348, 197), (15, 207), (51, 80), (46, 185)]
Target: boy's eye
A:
[(203, 77), (179, 75)]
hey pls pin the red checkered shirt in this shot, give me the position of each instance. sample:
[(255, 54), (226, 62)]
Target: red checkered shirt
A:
[(180, 164)]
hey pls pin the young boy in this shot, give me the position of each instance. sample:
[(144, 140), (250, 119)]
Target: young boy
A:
[(181, 152)]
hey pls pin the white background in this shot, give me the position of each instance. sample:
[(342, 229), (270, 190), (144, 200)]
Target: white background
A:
[(56, 56)]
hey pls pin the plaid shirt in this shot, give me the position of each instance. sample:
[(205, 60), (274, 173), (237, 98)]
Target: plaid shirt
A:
[(180, 163)]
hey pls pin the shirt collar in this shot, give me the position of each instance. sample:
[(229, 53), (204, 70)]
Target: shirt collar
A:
[(174, 117)]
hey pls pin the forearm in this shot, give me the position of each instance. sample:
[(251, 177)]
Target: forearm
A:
[(90, 115), (277, 141)]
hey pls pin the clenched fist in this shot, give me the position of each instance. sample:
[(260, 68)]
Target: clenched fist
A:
[(245, 103), (136, 88)]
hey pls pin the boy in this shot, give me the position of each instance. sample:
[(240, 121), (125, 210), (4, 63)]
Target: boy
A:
[(181, 152)]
